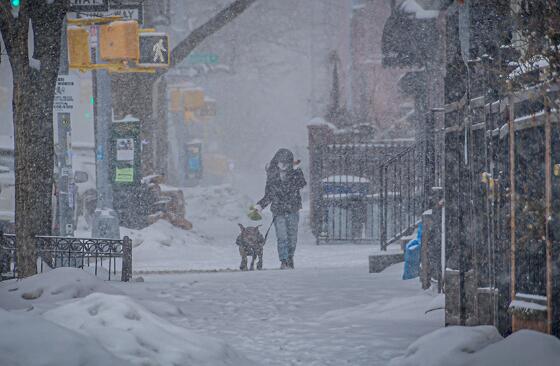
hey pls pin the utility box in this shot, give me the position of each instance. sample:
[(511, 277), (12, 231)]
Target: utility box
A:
[(131, 199), (79, 53), (119, 41), (125, 152)]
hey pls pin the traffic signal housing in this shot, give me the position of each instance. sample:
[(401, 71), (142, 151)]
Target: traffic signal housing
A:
[(119, 41), (193, 99), (79, 54)]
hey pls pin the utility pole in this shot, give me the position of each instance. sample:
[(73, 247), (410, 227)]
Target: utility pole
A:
[(105, 220), (65, 180)]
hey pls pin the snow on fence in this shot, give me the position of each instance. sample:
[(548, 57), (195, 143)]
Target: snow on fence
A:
[(104, 257)]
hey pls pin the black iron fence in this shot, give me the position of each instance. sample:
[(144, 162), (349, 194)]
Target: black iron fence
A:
[(105, 257), (349, 200), (502, 198), (401, 194)]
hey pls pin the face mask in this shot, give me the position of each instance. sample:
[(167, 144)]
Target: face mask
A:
[(282, 166)]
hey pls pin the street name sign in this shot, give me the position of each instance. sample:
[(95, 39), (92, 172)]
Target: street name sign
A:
[(126, 11), (203, 58), (154, 50), (89, 5)]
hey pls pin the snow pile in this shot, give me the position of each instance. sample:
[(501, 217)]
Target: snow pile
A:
[(130, 331), (47, 289), (212, 208), (481, 346), (522, 348), (27, 340), (162, 246), (214, 212), (451, 346)]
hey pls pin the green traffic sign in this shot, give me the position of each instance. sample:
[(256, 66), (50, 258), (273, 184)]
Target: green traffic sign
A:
[(203, 58)]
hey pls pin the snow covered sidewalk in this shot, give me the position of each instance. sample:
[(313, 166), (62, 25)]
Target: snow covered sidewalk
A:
[(332, 316)]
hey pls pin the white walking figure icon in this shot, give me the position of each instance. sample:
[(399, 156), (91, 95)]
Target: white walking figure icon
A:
[(158, 50)]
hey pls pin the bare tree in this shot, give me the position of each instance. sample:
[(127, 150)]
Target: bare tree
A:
[(34, 81)]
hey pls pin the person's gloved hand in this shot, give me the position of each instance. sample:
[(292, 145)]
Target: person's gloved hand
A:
[(255, 212)]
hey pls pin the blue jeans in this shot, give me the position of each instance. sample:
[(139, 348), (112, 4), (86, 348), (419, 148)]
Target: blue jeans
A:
[(286, 227)]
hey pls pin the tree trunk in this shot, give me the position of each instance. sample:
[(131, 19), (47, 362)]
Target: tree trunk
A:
[(32, 104)]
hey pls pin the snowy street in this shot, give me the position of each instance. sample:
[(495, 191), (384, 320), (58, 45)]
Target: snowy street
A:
[(329, 316)]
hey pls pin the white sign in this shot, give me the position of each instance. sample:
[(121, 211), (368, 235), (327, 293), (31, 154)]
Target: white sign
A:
[(89, 5), (125, 149), (127, 12), (66, 88)]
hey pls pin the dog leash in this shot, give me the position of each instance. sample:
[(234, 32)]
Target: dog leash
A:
[(268, 231)]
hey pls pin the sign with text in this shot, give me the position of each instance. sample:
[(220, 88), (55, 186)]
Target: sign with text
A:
[(65, 90), (154, 50), (126, 11), (203, 58), (89, 5)]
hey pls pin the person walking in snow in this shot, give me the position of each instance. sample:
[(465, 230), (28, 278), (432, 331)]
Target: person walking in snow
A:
[(283, 183)]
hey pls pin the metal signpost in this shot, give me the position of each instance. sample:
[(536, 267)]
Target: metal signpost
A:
[(105, 220), (62, 107)]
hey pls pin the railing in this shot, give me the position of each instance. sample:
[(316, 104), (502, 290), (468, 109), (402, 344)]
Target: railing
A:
[(401, 192), (348, 199), (108, 255), (502, 203)]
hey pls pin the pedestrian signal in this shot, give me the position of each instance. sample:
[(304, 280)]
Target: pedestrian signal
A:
[(154, 50)]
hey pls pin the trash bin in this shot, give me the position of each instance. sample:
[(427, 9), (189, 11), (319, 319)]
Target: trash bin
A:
[(412, 256)]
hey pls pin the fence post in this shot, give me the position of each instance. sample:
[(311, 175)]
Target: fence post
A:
[(382, 224), (126, 273), (425, 273), (2, 255)]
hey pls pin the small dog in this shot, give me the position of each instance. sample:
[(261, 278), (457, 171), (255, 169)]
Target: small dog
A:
[(251, 243)]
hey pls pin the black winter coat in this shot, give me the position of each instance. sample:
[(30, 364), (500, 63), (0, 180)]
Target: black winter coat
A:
[(283, 194)]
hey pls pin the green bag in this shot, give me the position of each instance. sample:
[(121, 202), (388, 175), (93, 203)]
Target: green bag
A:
[(254, 214)]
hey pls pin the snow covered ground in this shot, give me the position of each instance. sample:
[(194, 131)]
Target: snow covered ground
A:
[(215, 212), (311, 316), (328, 311)]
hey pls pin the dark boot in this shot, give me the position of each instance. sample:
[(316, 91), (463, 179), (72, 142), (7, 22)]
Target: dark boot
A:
[(291, 262), (283, 265)]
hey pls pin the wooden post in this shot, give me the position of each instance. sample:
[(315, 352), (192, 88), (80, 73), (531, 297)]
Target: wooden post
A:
[(126, 273), (548, 213)]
